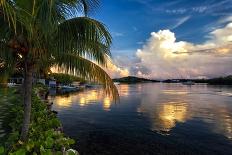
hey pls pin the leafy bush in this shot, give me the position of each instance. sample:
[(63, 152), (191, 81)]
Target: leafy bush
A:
[(66, 79), (44, 138)]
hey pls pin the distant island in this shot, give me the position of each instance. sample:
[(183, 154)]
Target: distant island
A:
[(227, 80), (133, 79), (220, 80), (214, 81)]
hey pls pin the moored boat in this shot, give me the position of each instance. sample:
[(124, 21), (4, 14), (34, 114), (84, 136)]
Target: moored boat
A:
[(188, 83)]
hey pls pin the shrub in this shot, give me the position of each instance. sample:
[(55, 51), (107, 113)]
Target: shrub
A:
[(45, 136)]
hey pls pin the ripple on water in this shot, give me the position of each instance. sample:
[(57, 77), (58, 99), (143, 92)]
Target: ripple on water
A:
[(229, 94), (197, 120)]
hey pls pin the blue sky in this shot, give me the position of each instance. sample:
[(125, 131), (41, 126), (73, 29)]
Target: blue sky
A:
[(131, 22)]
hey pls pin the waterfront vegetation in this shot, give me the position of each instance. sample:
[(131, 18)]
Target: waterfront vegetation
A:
[(45, 134), (224, 80), (66, 78), (133, 79)]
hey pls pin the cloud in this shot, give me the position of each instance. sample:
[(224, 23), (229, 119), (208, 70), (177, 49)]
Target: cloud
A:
[(181, 21), (115, 71), (176, 11), (213, 7), (162, 56), (117, 34), (167, 58), (225, 20), (140, 43), (199, 9)]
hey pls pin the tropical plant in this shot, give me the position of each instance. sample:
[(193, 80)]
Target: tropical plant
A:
[(39, 33), (65, 78), (42, 139)]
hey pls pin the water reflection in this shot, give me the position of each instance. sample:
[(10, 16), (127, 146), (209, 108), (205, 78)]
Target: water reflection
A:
[(164, 106), (106, 104), (170, 113), (167, 107), (164, 116), (220, 118), (89, 97), (173, 110), (224, 123), (123, 89), (63, 102), (83, 99), (174, 92)]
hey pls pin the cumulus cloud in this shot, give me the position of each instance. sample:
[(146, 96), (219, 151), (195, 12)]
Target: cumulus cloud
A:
[(115, 71), (163, 57)]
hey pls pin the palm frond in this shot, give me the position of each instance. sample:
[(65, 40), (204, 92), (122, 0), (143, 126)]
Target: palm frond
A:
[(8, 12), (74, 7), (86, 37), (8, 61), (88, 70)]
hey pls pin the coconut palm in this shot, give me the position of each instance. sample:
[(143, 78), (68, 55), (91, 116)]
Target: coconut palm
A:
[(36, 32)]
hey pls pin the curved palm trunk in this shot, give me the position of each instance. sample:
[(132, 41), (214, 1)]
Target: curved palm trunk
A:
[(27, 101)]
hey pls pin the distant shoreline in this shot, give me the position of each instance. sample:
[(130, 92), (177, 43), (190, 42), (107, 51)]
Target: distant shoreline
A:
[(214, 81)]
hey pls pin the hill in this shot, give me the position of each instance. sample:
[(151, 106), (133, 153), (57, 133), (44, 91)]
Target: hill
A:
[(221, 80), (133, 79)]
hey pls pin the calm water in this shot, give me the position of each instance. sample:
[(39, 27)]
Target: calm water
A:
[(150, 119)]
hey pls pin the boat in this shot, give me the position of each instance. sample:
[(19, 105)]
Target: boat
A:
[(12, 85), (117, 83), (68, 88), (189, 83)]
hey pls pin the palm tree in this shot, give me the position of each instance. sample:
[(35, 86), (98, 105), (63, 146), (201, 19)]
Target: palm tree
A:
[(37, 31)]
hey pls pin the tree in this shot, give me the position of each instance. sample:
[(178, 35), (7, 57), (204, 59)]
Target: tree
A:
[(37, 32)]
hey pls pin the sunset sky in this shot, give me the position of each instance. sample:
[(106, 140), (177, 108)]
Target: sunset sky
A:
[(163, 39)]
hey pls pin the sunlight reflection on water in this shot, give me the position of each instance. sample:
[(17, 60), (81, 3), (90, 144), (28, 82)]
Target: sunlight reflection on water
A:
[(169, 109)]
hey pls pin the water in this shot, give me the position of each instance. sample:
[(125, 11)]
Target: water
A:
[(150, 119)]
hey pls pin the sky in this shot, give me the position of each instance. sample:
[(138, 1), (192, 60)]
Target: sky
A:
[(163, 39)]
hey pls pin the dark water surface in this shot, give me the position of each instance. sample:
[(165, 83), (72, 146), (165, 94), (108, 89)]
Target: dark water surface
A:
[(150, 119)]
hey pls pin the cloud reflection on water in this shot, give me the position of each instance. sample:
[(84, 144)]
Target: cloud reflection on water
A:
[(165, 115), (167, 107), (164, 105)]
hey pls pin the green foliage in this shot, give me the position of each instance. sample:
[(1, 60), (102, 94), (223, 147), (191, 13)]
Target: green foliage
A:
[(132, 79), (221, 80), (45, 137), (51, 33), (66, 78), (1, 150), (40, 88)]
